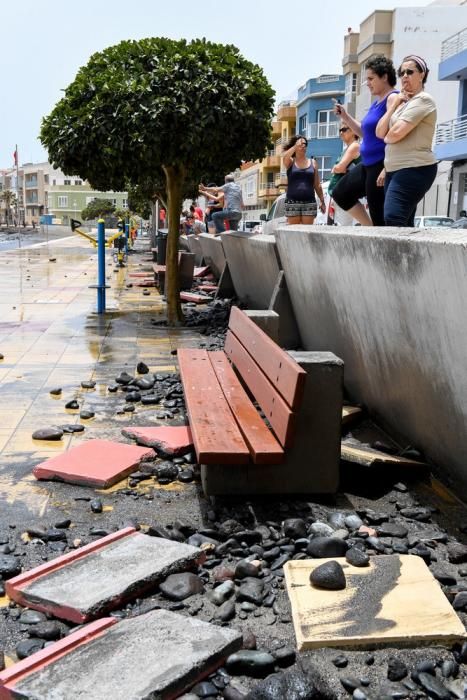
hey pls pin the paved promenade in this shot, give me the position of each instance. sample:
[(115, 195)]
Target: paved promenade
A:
[(51, 336)]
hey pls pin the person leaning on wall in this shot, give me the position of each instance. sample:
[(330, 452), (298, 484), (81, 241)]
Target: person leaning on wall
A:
[(408, 128)]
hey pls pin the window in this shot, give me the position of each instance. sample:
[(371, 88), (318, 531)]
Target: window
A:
[(54, 182), (46, 179), (350, 86), (63, 201), (78, 182), (250, 188), (324, 166), (328, 124), (302, 124), (124, 203), (67, 182)]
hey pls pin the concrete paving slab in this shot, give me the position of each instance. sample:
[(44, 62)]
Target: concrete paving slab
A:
[(94, 463), (394, 599), (156, 656), (98, 577), (172, 440), (196, 298)]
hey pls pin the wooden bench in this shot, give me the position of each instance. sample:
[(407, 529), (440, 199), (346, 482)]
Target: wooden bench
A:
[(223, 391)]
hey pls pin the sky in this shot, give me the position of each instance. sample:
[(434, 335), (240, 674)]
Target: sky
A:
[(45, 43)]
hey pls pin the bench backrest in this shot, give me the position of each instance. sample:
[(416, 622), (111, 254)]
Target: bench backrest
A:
[(274, 379)]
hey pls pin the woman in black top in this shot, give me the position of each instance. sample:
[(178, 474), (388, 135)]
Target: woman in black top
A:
[(302, 183)]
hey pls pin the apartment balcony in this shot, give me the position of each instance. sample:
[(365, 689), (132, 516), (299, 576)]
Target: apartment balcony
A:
[(287, 111), (30, 184), (451, 139), (329, 130), (272, 160), (281, 179), (267, 189), (453, 63), (276, 128)]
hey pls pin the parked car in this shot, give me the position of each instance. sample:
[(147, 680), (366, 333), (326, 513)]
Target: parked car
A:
[(249, 224), (460, 223), (433, 221)]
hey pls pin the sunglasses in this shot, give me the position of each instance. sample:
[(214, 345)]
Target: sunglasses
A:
[(407, 71), (344, 128)]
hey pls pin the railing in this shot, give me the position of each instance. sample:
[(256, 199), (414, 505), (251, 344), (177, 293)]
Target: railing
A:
[(329, 130), (30, 183), (454, 44), (281, 178), (451, 131), (267, 187)]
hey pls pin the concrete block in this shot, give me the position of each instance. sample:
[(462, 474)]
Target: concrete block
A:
[(268, 321), (195, 247), (158, 655), (213, 253), (312, 464), (170, 439), (98, 577), (93, 463), (289, 335), (186, 266)]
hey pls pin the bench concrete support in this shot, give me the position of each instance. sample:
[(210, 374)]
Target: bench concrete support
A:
[(186, 268), (268, 321), (312, 464)]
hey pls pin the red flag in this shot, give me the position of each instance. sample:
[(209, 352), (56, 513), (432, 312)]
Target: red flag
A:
[(15, 157)]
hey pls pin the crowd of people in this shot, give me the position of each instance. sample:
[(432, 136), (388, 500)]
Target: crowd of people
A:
[(387, 157)]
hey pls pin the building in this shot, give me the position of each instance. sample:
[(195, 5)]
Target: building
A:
[(316, 120), (248, 179), (272, 179), (451, 135), (398, 33), (45, 191)]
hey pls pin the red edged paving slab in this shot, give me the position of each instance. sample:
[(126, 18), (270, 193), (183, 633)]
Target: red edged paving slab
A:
[(264, 447), (20, 671), (89, 581), (208, 287), (216, 435), (156, 656), (201, 271), (172, 440), (196, 298), (93, 463)]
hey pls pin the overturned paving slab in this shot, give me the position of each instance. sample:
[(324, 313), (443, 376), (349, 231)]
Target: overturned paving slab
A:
[(368, 457), (94, 463), (171, 440), (98, 577), (394, 599), (154, 656)]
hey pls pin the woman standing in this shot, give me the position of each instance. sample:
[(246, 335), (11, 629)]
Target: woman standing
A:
[(302, 183), (367, 178), (349, 159), (408, 128)]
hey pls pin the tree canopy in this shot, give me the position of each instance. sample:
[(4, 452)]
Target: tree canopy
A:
[(97, 208), (190, 110)]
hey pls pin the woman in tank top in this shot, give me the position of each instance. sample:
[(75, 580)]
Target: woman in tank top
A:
[(408, 128), (367, 178), (302, 183)]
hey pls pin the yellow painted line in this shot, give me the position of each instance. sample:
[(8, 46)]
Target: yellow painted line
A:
[(106, 509), (35, 497), (10, 661), (4, 601)]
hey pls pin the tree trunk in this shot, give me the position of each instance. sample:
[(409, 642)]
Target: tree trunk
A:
[(175, 175)]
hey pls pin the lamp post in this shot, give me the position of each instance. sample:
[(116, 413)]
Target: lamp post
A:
[(75, 207)]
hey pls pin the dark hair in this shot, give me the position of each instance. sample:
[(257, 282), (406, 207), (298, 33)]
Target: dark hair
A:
[(293, 140), (382, 66), (420, 65)]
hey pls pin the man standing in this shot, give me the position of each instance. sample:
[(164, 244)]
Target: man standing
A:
[(233, 203)]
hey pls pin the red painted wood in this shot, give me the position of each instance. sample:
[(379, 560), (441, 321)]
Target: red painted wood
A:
[(276, 410), (216, 435), (11, 676), (262, 444), (197, 298), (282, 370)]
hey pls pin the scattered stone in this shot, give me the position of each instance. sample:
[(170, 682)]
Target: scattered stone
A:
[(457, 553), (27, 647), (56, 391), (284, 656), (52, 433), (246, 568), (124, 378), (319, 529), (340, 661), (433, 686), (256, 664), (32, 617), (357, 557), (221, 593), (87, 414), (205, 689), (329, 575), (353, 522), (72, 405), (226, 611), (88, 384), (9, 566), (392, 530), (72, 428), (186, 475), (326, 547), (48, 630), (180, 586), (397, 670), (142, 368), (96, 505), (294, 528), (251, 590)]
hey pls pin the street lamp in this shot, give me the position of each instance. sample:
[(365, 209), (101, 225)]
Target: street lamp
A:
[(75, 207)]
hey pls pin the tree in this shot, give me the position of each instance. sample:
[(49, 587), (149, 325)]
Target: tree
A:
[(140, 107), (98, 208), (9, 199)]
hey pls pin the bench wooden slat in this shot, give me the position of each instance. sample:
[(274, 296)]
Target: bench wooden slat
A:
[(276, 410), (216, 435), (282, 371), (263, 446)]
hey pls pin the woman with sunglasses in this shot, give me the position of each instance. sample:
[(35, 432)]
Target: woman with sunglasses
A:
[(408, 128), (349, 159), (367, 178), (302, 183)]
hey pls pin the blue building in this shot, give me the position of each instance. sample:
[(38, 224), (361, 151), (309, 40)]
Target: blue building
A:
[(316, 119), (451, 136)]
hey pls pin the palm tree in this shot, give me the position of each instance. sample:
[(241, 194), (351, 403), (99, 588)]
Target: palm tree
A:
[(9, 199)]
